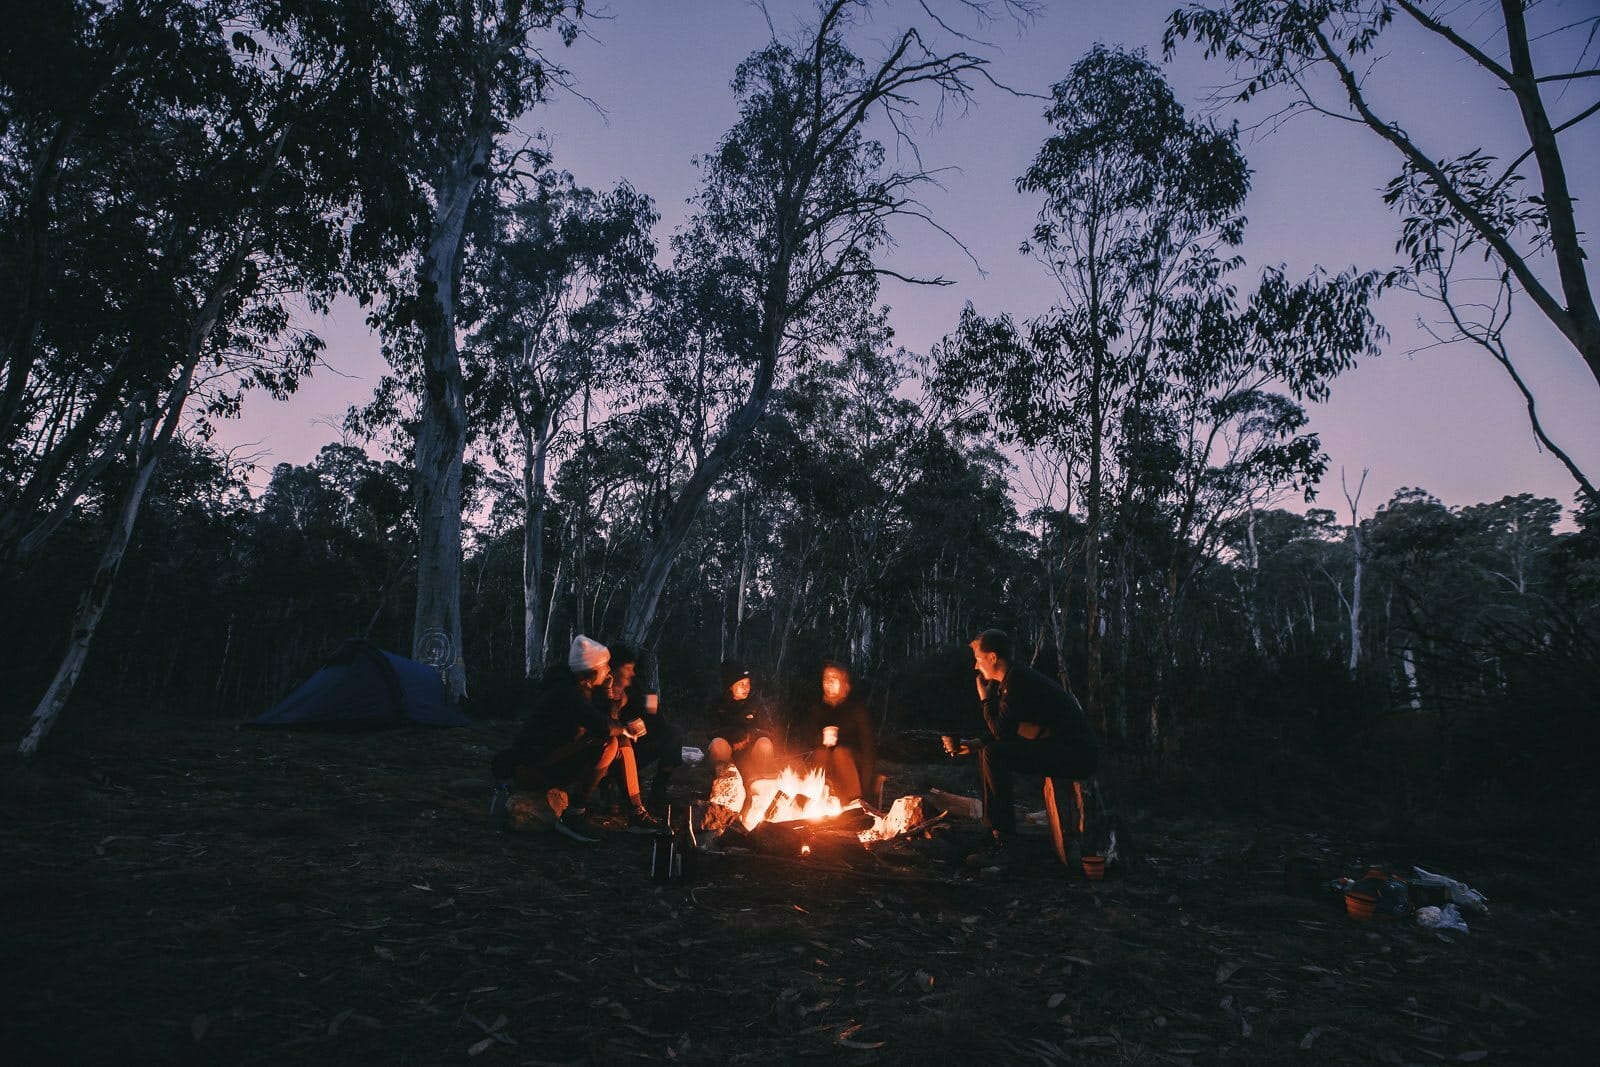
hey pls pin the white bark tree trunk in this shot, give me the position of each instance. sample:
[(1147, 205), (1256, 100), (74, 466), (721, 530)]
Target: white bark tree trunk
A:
[(442, 440), (1360, 562), (1408, 663)]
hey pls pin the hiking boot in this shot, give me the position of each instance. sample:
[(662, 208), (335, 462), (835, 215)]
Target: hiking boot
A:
[(574, 825), (642, 822), (500, 808)]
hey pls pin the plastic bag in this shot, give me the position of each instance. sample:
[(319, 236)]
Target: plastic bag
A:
[(1461, 894), (1445, 917)]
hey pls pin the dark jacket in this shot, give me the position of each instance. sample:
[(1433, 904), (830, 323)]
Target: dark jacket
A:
[(736, 721), (560, 714), (1028, 696), (855, 731), (849, 715)]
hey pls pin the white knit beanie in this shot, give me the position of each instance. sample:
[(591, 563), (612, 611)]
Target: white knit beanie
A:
[(587, 654)]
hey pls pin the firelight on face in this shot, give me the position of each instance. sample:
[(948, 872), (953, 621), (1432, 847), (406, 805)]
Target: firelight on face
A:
[(740, 690), (835, 685)]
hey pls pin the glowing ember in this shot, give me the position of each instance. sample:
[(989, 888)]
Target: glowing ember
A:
[(791, 797)]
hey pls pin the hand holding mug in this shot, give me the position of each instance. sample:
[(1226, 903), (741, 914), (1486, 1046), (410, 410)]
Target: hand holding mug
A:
[(830, 736)]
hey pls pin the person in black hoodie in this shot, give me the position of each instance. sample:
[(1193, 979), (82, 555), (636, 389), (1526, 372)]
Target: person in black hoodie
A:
[(738, 726), (661, 742), (1033, 726), (840, 730), (569, 742)]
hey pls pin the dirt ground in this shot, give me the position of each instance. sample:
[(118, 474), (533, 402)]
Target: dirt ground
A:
[(184, 895)]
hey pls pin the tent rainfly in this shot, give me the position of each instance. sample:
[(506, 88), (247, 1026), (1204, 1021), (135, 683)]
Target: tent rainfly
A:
[(364, 687)]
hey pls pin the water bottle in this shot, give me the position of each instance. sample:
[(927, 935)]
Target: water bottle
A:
[(665, 863)]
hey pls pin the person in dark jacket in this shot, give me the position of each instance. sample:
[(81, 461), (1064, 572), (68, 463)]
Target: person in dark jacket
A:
[(738, 726), (840, 730), (568, 742), (1032, 726), (660, 743)]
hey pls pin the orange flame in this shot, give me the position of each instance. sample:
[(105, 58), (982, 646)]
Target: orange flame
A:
[(790, 797)]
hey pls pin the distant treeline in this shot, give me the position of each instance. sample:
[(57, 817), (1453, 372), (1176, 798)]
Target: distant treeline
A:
[(888, 549), (709, 443)]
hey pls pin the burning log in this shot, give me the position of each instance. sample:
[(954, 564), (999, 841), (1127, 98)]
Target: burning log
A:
[(957, 805), (718, 817), (727, 802), (780, 802), (728, 789), (806, 797), (907, 812)]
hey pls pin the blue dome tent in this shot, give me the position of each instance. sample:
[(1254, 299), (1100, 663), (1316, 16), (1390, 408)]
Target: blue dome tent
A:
[(364, 687)]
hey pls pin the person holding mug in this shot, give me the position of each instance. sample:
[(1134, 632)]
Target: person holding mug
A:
[(840, 730), (630, 730)]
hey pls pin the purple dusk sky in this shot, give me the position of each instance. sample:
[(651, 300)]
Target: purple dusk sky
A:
[(1447, 419)]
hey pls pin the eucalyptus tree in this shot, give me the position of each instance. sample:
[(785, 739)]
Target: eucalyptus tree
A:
[(550, 302), (832, 463), (795, 202), (1140, 202), (1152, 367), (459, 73), (184, 193), (1460, 205), (1230, 381)]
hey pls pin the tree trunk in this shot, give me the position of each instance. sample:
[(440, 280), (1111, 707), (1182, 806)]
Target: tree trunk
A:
[(155, 437), (442, 439), (1058, 599), (533, 505), (744, 578), (1092, 620), (1580, 321), (663, 549), (1251, 607), (1408, 663), (550, 612), (93, 605), (1355, 546), (788, 616)]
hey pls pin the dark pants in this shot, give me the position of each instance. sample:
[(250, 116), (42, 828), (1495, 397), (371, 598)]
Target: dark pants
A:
[(1001, 758), (662, 744), (576, 766), (839, 764)]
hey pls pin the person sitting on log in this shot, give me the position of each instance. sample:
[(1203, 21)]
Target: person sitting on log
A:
[(569, 742), (660, 743), (1033, 726), (738, 726), (840, 730)]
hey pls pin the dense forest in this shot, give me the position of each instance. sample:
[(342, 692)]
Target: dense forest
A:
[(709, 442)]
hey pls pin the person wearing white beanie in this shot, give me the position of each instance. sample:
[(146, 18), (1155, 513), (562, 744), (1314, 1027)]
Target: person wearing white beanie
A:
[(586, 655), (569, 743)]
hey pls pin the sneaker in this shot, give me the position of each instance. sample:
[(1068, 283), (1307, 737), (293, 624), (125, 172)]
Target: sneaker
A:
[(574, 825), (642, 822), (499, 808)]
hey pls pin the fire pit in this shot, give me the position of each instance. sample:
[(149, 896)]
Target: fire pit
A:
[(796, 813)]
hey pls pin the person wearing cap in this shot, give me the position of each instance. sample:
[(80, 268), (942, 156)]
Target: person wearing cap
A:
[(738, 726), (840, 731), (569, 742), (1033, 726), (649, 736)]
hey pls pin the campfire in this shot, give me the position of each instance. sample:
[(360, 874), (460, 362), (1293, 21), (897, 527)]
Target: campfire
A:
[(792, 796), (798, 797)]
